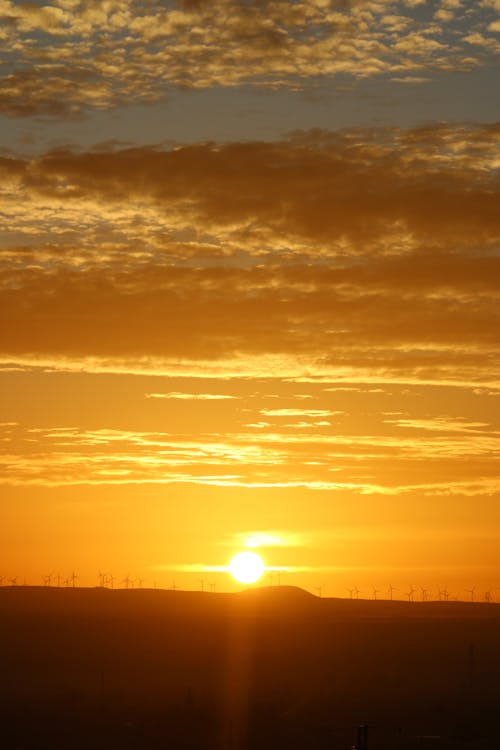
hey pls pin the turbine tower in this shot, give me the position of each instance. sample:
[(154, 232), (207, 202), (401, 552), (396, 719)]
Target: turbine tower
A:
[(410, 593), (471, 592)]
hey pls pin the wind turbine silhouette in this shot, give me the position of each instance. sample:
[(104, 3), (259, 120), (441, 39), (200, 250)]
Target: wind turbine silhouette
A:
[(351, 592), (127, 581), (390, 590), (173, 586), (410, 593), (47, 579), (319, 589), (202, 583), (1, 580), (487, 596), (73, 578), (14, 581), (424, 593), (375, 592), (471, 592), (444, 594)]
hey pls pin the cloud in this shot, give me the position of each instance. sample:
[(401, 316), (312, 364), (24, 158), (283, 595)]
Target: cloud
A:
[(265, 538), (298, 412), (191, 396), (351, 462), (444, 425), (361, 254), (64, 58)]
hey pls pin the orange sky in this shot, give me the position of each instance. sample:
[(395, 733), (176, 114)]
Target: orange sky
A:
[(249, 269)]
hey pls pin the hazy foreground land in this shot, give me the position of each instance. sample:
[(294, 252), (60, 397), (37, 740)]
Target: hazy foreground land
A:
[(264, 668)]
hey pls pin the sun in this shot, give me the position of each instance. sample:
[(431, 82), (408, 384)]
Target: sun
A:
[(247, 567)]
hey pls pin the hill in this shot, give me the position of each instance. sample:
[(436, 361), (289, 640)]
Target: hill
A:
[(273, 667)]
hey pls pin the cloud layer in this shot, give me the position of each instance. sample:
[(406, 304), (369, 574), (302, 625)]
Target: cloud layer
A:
[(364, 251), (64, 58)]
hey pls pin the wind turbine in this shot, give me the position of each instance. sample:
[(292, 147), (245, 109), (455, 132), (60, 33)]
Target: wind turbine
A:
[(487, 596), (73, 578), (47, 579), (424, 593), (471, 592), (14, 581), (444, 594), (375, 592), (410, 593), (356, 593), (173, 586), (351, 592), (1, 580), (390, 590), (319, 589), (127, 581), (202, 583)]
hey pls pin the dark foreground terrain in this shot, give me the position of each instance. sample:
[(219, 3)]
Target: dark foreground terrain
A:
[(265, 668)]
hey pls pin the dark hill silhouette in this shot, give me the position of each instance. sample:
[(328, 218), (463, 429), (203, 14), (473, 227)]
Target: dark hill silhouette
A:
[(291, 593), (276, 666)]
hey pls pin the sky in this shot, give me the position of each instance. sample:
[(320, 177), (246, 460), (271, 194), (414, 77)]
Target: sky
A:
[(249, 294)]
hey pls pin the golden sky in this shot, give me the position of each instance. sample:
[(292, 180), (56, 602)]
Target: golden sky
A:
[(249, 292)]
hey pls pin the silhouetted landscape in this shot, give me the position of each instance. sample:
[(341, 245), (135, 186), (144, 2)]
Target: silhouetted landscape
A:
[(263, 668)]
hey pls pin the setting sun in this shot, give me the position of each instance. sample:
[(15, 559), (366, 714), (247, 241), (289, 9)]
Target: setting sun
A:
[(246, 567)]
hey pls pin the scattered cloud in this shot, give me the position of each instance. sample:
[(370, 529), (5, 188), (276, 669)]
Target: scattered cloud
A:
[(457, 459), (64, 58)]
